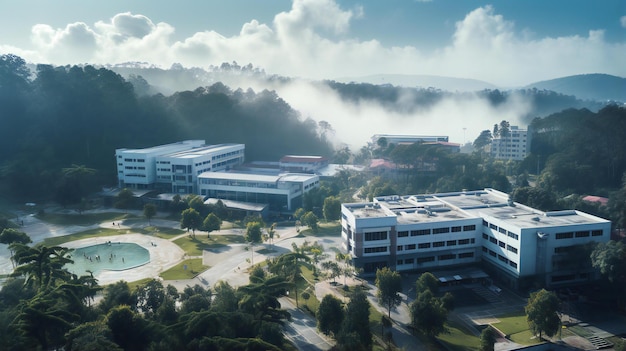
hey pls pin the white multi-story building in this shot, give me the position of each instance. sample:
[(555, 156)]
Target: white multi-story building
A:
[(282, 192), (175, 166), (181, 169), (514, 146), (408, 139), (517, 243)]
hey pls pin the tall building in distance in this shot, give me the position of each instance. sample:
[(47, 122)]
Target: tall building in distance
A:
[(408, 139), (516, 243), (514, 146)]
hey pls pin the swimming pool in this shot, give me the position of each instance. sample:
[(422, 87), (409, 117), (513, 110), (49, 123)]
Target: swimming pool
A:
[(110, 256)]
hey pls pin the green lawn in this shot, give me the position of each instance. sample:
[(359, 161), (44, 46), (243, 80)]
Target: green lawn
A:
[(325, 229), (164, 232), (194, 267), (515, 326), (91, 233), (195, 246), (459, 338), (83, 219), (525, 338)]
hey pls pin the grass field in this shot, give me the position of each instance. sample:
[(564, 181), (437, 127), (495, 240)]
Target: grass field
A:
[(195, 246), (194, 267), (459, 338), (325, 229), (515, 326), (91, 233)]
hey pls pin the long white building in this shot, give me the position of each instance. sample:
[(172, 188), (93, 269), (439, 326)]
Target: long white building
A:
[(517, 243), (174, 167), (282, 192), (514, 146)]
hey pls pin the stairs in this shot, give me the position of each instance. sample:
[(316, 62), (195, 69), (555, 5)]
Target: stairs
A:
[(599, 343)]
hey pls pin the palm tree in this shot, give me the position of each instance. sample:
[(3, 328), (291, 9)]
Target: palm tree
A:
[(289, 266), (42, 265), (260, 298)]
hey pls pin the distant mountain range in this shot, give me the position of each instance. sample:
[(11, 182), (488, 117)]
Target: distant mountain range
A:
[(599, 87)]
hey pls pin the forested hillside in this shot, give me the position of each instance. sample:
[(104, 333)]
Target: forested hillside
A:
[(60, 116)]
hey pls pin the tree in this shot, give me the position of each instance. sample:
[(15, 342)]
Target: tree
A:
[(211, 223), (149, 210), (329, 315), (10, 236), (41, 265), (487, 339), (389, 284), (270, 234), (125, 199), (483, 139), (541, 313), (428, 314), (332, 208), (190, 220), (427, 281), (224, 298), (253, 232), (355, 332), (610, 258), (310, 219), (289, 266), (74, 184)]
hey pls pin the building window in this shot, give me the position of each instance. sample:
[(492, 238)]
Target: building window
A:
[(484, 249), (426, 259), (464, 241), (582, 234), (423, 246), (596, 233), (399, 262), (400, 248), (502, 244), (485, 236), (456, 229), (441, 230), (372, 236), (403, 234), (420, 232), (513, 235), (564, 235), (513, 264), (409, 261), (493, 226), (467, 228), (493, 240), (492, 253), (447, 257), (503, 259), (439, 243), (511, 248), (451, 243), (410, 247), (502, 230), (466, 255), (485, 223), (375, 249)]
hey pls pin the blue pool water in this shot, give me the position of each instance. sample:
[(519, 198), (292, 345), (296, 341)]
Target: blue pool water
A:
[(110, 256)]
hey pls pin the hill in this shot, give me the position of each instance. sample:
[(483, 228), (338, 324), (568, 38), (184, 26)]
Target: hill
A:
[(600, 87), (422, 81)]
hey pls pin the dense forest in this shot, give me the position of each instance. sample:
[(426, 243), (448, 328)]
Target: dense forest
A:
[(56, 117)]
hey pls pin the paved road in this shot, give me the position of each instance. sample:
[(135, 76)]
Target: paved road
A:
[(302, 329)]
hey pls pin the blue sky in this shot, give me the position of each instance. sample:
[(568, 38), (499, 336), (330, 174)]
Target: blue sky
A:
[(504, 42)]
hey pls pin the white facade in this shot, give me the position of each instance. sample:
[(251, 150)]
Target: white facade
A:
[(397, 139), (136, 168), (181, 169), (302, 164), (515, 146), (175, 166), (282, 192), (425, 232)]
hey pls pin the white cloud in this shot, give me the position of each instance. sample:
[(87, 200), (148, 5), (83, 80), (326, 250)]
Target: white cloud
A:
[(622, 21), (313, 40)]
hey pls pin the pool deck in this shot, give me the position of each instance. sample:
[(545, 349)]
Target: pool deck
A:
[(164, 254)]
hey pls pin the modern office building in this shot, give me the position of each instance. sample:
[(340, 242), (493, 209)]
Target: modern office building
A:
[(518, 244), (302, 164), (514, 146), (408, 139), (283, 192), (179, 171), (174, 167)]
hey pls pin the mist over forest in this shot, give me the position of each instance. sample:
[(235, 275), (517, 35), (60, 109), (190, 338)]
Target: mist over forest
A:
[(55, 117)]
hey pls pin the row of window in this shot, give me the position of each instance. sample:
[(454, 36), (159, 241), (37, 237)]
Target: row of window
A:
[(502, 244), (375, 236), (580, 234), (228, 154), (133, 159), (500, 230), (503, 259), (131, 167), (436, 244), (375, 249), (432, 258)]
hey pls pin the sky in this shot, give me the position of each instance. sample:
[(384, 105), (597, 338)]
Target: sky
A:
[(507, 43), (503, 42)]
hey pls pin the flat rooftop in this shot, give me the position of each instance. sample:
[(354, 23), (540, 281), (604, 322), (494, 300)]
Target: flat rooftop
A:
[(163, 149), (464, 205), (201, 151), (256, 177)]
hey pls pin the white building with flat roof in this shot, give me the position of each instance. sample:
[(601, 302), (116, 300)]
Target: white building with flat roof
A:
[(514, 146), (282, 192), (517, 243), (181, 169), (174, 167), (408, 139)]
